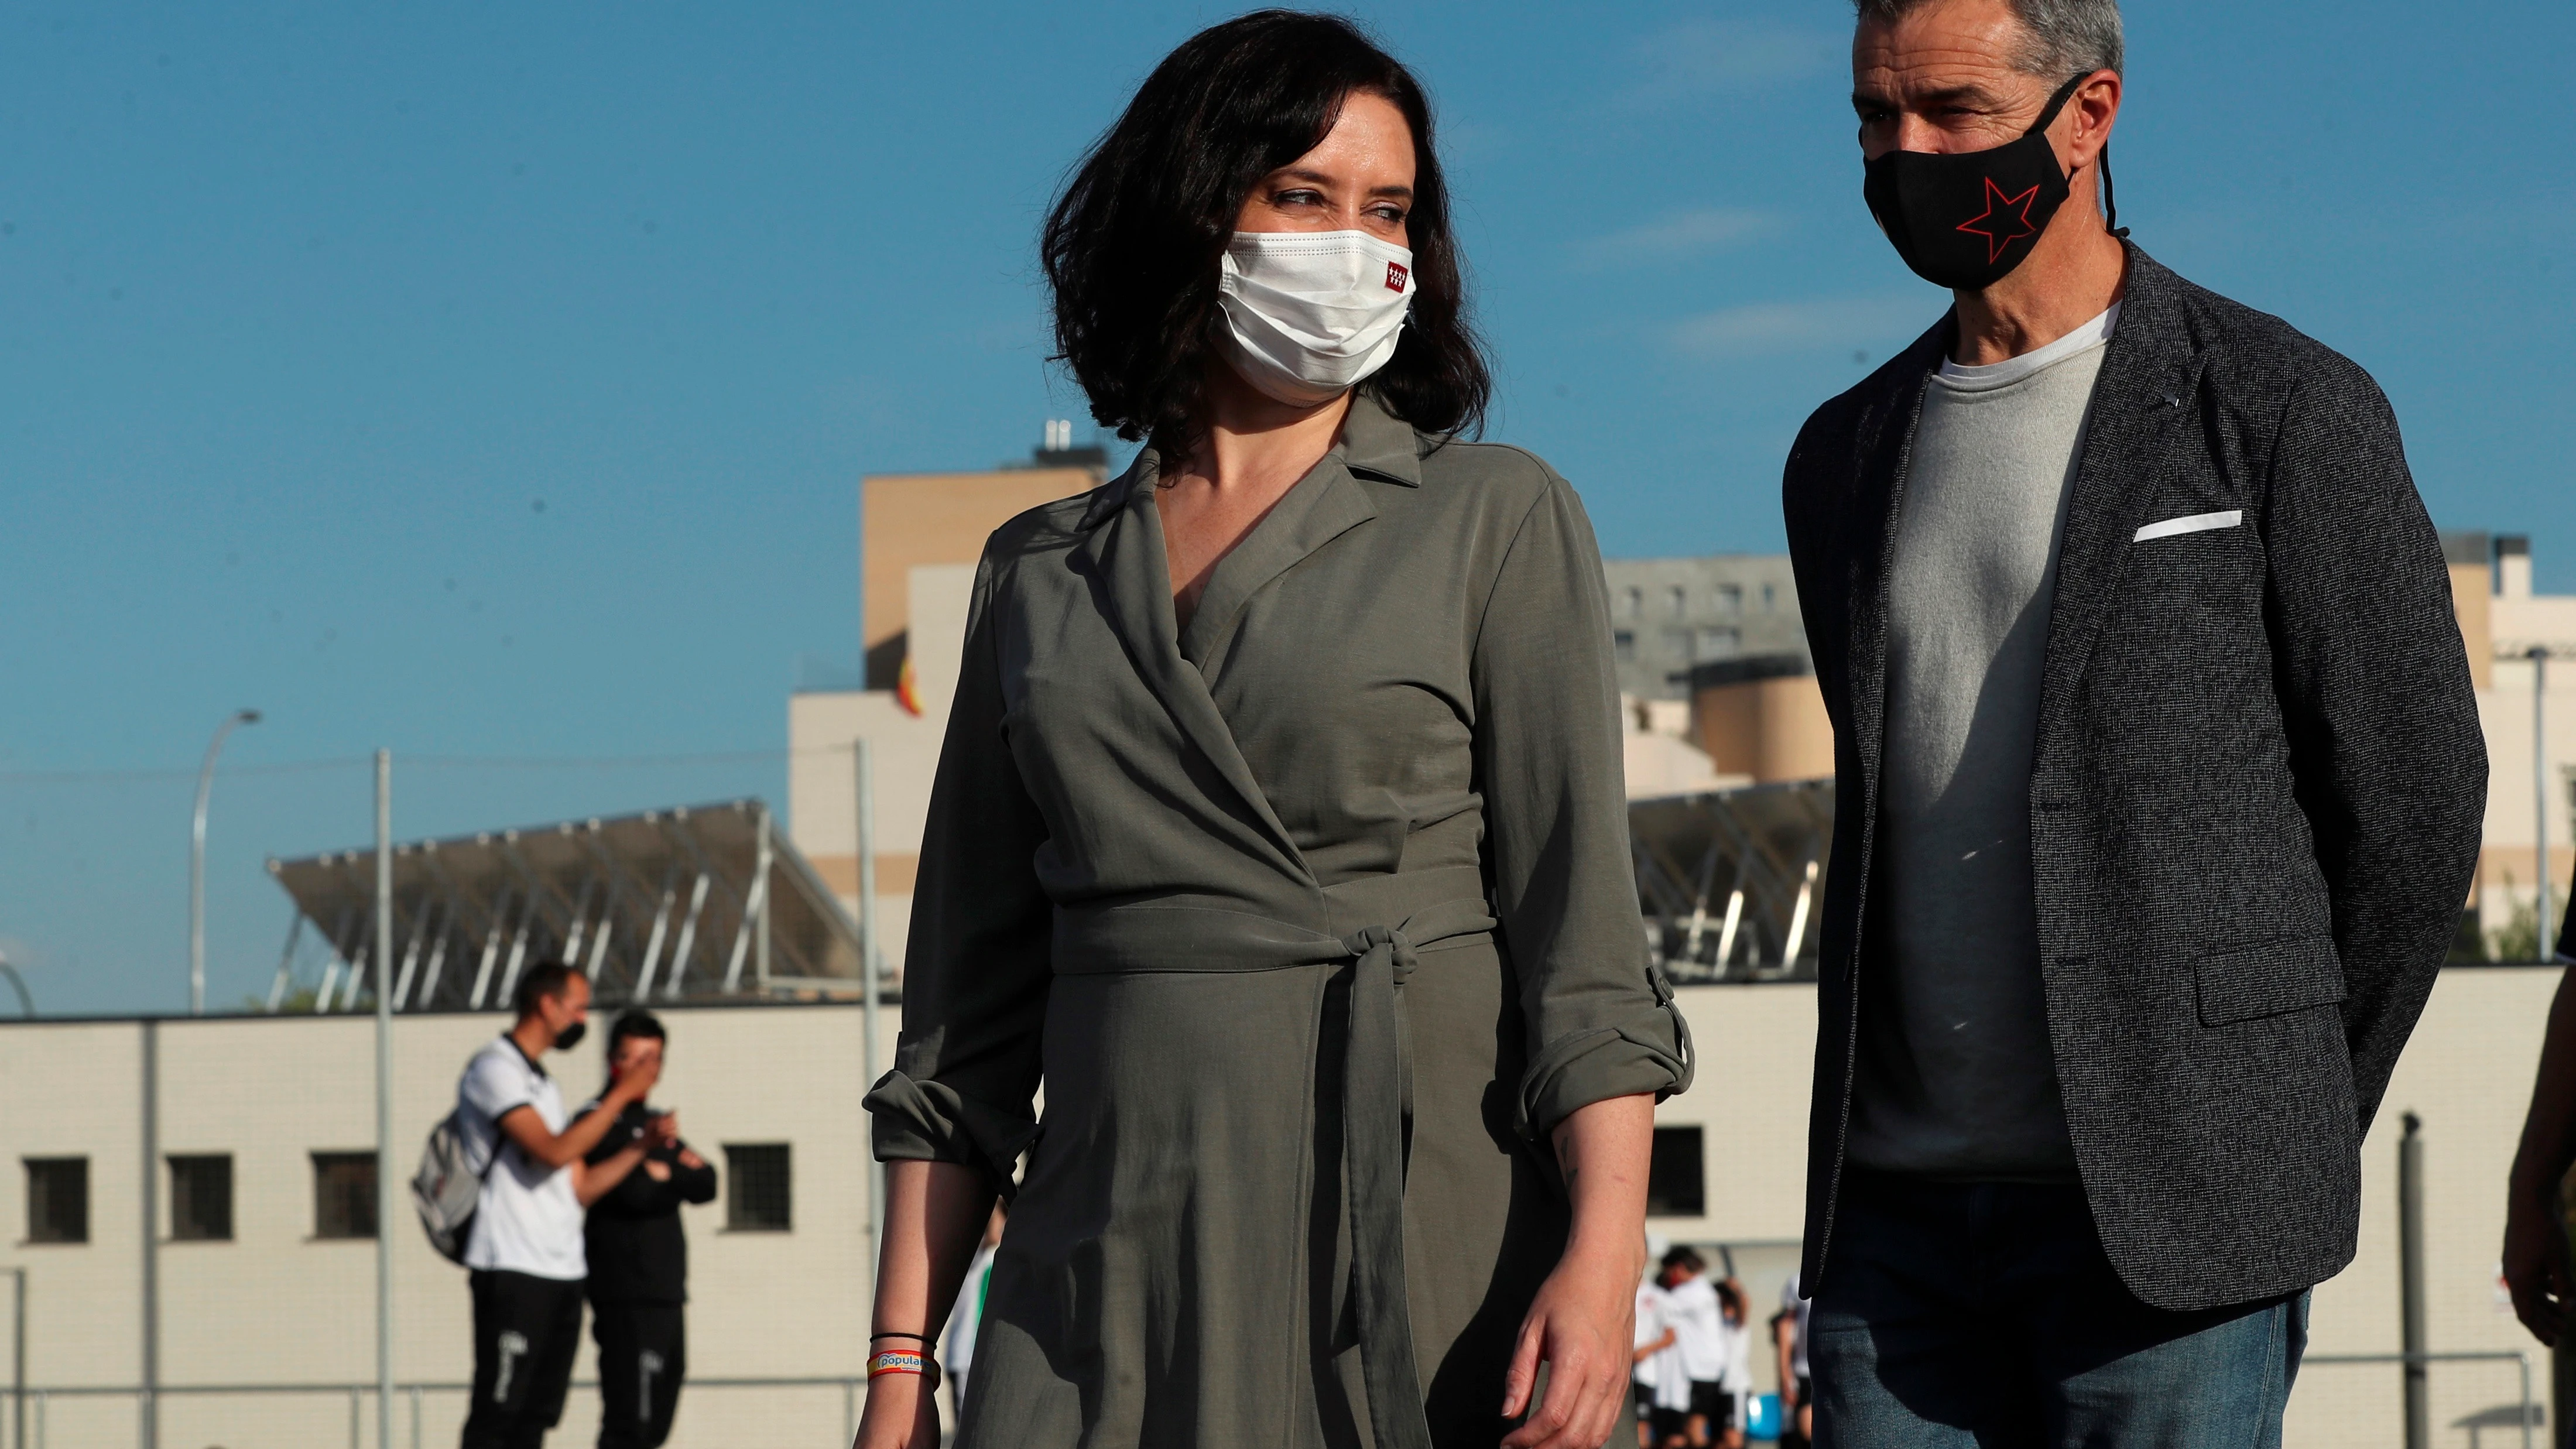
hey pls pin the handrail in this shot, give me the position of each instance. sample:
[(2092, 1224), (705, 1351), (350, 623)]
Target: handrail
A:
[(849, 1385), (2487, 1356)]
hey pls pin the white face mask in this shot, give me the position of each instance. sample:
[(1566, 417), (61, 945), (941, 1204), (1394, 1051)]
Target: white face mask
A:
[(1308, 314)]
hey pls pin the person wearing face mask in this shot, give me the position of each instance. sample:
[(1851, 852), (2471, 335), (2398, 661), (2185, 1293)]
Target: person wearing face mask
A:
[(2160, 783), (524, 1252), (1279, 835)]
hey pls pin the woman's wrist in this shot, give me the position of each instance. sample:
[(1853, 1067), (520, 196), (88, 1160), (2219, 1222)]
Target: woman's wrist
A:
[(1619, 1254)]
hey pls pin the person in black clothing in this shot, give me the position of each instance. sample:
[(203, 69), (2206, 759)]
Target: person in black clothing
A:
[(639, 1258)]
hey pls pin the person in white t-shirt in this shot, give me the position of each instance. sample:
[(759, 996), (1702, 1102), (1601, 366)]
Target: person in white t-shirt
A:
[(1735, 1383), (1699, 1332), (1789, 1331), (524, 1249), (1652, 1338)]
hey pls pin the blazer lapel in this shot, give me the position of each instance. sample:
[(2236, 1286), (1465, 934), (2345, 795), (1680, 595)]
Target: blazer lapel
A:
[(2144, 391), (1871, 516), (1123, 552)]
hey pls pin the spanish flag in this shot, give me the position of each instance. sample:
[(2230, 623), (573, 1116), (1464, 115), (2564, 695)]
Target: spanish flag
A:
[(904, 692)]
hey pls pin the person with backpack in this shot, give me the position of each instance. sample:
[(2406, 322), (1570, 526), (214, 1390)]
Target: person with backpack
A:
[(524, 1246), (638, 1256)]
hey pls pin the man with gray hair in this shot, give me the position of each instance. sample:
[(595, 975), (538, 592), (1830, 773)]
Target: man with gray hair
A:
[(2159, 789)]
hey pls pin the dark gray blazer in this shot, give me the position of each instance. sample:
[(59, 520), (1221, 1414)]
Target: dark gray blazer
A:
[(2255, 794)]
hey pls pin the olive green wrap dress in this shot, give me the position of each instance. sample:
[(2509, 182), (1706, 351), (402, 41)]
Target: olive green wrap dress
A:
[(1312, 919)]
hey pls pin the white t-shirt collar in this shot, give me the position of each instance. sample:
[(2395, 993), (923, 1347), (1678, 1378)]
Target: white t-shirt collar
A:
[(2095, 333)]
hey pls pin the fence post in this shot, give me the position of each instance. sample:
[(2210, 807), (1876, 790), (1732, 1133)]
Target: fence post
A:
[(18, 1364), (385, 1179), (2410, 1280)]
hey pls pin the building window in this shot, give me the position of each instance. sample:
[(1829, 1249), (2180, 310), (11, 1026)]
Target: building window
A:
[(1680, 600), (1730, 598), (1770, 598), (1676, 1185), (1633, 602), (201, 1199), (1623, 642), (344, 1194), (57, 1199), (1716, 644), (757, 1198)]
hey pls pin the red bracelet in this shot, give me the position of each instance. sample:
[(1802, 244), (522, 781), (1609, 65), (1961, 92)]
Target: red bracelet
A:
[(903, 1361)]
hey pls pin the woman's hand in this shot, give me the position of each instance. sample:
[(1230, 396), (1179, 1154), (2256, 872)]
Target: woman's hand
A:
[(1583, 1321), (1580, 1326), (2535, 1264), (902, 1413)]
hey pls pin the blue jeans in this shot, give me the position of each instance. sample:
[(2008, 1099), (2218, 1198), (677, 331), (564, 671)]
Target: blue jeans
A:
[(1957, 1314)]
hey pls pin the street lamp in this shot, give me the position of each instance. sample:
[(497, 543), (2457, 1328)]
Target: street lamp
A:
[(197, 866), (2538, 654), (17, 983)]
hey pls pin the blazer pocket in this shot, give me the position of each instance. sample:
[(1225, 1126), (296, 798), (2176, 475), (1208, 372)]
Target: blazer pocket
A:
[(2241, 983), (2190, 523)]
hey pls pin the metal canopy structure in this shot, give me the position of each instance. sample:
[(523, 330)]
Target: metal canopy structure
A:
[(700, 903), (1730, 880)]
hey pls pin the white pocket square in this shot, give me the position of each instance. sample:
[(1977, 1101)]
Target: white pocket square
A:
[(2195, 523)]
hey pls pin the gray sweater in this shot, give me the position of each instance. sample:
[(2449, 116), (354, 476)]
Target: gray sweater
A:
[(1954, 1077)]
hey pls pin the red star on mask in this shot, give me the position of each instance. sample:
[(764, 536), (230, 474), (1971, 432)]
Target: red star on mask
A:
[(2000, 216)]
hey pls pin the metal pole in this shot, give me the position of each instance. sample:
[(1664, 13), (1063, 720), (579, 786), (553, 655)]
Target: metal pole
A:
[(197, 865), (867, 807), (384, 1109), (764, 861), (2410, 1281), (2539, 656), (18, 1365), (150, 1416)]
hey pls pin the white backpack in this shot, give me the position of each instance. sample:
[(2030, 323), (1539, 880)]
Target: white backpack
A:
[(449, 1186)]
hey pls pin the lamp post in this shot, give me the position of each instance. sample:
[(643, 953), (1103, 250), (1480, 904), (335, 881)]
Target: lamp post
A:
[(2539, 657), (197, 865)]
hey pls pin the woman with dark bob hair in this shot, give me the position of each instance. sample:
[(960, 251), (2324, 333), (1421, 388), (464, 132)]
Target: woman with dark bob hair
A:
[(1279, 837)]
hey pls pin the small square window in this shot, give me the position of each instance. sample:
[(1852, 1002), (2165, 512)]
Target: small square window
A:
[(344, 1194), (57, 1199), (1623, 642), (1679, 599), (1730, 598), (1676, 1184), (201, 1199), (758, 1199)]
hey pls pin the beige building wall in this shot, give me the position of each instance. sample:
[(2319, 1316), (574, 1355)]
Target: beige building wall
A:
[(907, 520), (2516, 621), (2467, 1072), (275, 1305), (1770, 729), (921, 535)]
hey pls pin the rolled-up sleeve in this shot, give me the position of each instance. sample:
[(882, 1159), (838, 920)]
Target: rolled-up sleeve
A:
[(976, 967), (1601, 1020)]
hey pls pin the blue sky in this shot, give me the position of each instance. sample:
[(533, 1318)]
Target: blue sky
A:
[(492, 382)]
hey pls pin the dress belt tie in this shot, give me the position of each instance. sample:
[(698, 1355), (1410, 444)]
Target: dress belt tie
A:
[(1377, 1068)]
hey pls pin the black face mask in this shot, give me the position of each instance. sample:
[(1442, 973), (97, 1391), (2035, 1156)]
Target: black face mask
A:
[(1965, 219), (570, 1037)]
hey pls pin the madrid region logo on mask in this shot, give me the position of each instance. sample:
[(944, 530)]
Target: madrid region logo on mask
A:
[(1395, 276), (1965, 219)]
